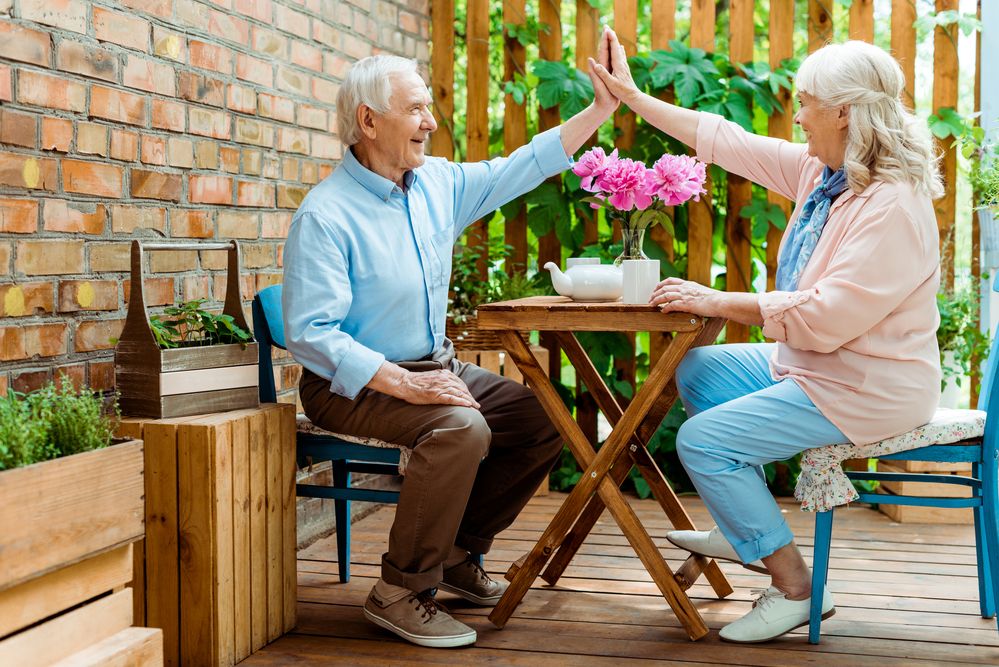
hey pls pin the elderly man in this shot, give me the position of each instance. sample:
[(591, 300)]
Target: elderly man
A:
[(367, 268)]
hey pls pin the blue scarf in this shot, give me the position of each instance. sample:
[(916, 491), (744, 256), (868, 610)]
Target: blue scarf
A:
[(804, 236)]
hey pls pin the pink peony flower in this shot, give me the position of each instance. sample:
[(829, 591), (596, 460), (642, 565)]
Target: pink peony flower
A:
[(591, 165), (626, 184), (675, 179)]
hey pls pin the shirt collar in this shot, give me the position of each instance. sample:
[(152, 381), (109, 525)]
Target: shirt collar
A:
[(378, 185)]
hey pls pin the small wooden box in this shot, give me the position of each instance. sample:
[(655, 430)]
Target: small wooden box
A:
[(917, 514), (158, 383), (218, 567)]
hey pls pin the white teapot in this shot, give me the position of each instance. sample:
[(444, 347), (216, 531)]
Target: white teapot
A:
[(588, 282)]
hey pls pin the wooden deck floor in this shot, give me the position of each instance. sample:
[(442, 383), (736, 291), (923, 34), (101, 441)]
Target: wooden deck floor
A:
[(905, 594)]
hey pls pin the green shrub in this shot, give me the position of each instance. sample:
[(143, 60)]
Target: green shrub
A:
[(51, 422)]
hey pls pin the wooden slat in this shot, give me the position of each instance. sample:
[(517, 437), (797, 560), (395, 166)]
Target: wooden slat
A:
[(780, 124), (588, 33), (442, 76), (208, 379), (490, 360), (132, 647), (820, 23), (550, 48), (626, 27), (214, 356), (903, 44), (182, 405), (477, 113), (259, 446), (700, 225), (275, 532), (945, 76), (976, 232), (241, 465), (862, 20), (285, 414), (514, 131)]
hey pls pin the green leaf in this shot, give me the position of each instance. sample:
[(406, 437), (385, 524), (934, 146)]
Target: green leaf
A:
[(547, 206)]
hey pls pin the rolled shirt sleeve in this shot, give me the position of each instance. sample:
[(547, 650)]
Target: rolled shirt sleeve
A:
[(315, 300)]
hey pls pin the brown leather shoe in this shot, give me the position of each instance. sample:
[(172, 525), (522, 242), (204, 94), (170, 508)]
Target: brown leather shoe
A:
[(468, 580), (420, 619)]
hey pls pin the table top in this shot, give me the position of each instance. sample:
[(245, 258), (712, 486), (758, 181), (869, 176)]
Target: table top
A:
[(560, 313)]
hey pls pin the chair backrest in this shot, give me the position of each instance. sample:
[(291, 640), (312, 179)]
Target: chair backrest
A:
[(268, 328)]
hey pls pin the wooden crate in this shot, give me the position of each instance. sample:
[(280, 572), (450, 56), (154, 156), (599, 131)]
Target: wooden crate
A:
[(66, 533), (500, 363), (913, 514), (189, 380), (219, 570)]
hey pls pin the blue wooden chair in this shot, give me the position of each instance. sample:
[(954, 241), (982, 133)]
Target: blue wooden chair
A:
[(983, 454), (345, 455)]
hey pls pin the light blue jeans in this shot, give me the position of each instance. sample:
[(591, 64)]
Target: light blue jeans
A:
[(740, 419)]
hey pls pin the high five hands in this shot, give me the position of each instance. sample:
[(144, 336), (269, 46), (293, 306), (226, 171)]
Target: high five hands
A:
[(610, 73)]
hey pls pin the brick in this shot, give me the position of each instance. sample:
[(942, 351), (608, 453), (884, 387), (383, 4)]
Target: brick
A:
[(173, 262), (155, 185), (306, 55), (77, 295), (256, 255), (270, 43), (275, 225), (313, 117), (124, 145), (91, 178), (123, 29), (278, 108), (161, 8), (107, 257), (293, 81), (6, 87), (155, 291), (117, 105), (290, 21), (272, 167), (354, 47), (100, 375), (42, 90), (254, 193), (18, 129), (291, 140), (254, 132), (335, 65), (258, 9), (92, 139), (210, 56), (22, 171), (96, 335), (73, 217), (238, 225), (168, 115), (153, 150), (242, 99), (289, 169), (127, 219), (28, 381), (44, 258), (12, 344), (45, 340), (252, 161), (324, 91), (325, 34), (230, 159), (180, 153), (290, 196), (209, 123), (18, 216), (169, 44), (74, 374), (228, 27), (253, 69), (25, 45), (210, 189), (213, 261), (191, 224), (199, 88), (409, 22), (310, 172), (92, 61), (26, 299), (57, 134), (325, 170), (194, 287), (206, 155), (66, 14), (150, 76), (326, 146)]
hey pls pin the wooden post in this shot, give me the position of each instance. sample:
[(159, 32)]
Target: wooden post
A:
[(820, 23), (780, 124), (514, 133), (700, 226), (862, 20), (477, 114), (549, 247), (903, 44), (738, 230), (945, 74), (442, 77), (976, 232)]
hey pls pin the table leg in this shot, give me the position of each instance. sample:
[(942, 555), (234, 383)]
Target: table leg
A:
[(595, 480)]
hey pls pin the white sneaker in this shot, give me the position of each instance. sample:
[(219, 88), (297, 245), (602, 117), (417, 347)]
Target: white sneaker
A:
[(711, 543), (772, 616)]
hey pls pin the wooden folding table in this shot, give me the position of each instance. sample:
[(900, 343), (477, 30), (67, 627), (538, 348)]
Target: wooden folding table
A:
[(606, 470)]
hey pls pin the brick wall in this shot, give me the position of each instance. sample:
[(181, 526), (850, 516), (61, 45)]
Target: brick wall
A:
[(185, 119)]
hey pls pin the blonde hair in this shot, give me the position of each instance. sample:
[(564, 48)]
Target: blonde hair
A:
[(369, 82), (884, 140)]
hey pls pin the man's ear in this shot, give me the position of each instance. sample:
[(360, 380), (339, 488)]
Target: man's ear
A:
[(843, 117), (366, 120)]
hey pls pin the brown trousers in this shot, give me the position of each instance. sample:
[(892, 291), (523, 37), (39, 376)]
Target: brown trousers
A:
[(471, 471)]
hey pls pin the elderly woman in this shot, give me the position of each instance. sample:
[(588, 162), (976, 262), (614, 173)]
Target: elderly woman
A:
[(853, 316)]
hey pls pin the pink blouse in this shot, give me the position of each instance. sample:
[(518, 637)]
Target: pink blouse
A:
[(859, 334)]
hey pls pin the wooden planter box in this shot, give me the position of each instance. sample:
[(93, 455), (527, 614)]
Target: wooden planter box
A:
[(189, 380), (916, 514), (218, 565), (66, 533)]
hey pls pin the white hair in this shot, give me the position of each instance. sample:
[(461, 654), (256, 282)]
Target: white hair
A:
[(884, 140), (369, 82)]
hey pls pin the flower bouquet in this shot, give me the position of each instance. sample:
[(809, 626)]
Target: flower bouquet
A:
[(636, 195)]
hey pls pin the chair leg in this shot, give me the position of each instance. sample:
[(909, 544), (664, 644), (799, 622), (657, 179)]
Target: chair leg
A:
[(820, 572), (986, 597), (341, 480), (990, 500)]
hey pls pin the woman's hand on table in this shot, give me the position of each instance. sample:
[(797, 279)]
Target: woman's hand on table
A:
[(675, 295)]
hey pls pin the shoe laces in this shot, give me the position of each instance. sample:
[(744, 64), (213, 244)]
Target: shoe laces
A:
[(766, 597), (430, 605)]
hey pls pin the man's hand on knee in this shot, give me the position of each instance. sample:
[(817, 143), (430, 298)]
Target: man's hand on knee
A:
[(427, 388)]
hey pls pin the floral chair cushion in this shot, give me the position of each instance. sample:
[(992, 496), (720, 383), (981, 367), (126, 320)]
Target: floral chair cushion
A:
[(304, 425), (823, 485)]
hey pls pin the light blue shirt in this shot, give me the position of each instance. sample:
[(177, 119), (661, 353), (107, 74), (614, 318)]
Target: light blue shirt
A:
[(367, 265)]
